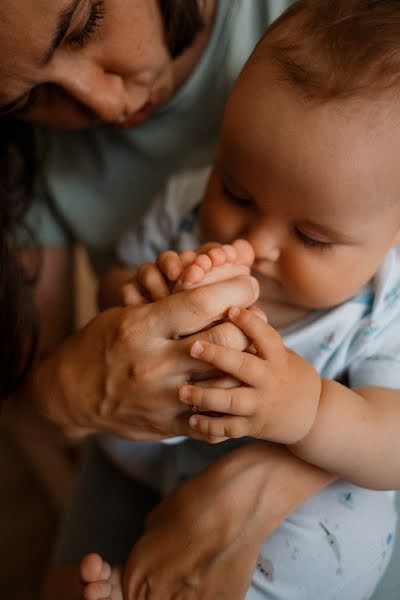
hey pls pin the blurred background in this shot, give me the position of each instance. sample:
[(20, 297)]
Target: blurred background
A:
[(37, 470)]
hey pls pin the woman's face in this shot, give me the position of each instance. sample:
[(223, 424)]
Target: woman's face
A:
[(73, 63)]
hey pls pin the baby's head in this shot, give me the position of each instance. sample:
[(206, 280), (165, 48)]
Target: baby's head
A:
[(308, 166)]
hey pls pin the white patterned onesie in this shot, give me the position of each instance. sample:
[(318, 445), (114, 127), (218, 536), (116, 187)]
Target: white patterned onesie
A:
[(337, 545)]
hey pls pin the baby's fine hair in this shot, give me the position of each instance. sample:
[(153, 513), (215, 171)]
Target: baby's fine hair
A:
[(338, 49)]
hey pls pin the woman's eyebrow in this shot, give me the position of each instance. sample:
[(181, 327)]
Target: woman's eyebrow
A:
[(63, 23)]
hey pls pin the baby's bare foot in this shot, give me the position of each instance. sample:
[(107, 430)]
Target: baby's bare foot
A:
[(100, 581), (217, 263)]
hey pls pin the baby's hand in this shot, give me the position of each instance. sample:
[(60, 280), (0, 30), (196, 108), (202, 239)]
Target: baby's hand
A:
[(174, 272), (279, 395)]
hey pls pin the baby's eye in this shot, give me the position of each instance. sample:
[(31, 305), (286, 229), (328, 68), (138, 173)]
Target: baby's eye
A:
[(309, 241), (235, 198)]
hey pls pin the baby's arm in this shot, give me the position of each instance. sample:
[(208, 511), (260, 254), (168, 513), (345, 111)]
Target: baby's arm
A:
[(353, 433)]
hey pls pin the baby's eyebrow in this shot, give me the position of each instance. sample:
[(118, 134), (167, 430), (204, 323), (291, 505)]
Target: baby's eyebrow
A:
[(231, 180)]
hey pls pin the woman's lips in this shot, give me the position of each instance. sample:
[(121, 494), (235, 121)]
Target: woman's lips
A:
[(139, 116)]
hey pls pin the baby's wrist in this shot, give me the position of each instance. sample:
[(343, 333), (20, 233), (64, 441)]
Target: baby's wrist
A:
[(310, 382), (300, 447)]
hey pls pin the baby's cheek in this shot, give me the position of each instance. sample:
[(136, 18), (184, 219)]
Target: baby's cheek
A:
[(321, 286), (310, 285)]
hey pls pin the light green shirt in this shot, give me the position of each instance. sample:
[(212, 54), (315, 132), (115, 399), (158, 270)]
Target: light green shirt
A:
[(97, 183)]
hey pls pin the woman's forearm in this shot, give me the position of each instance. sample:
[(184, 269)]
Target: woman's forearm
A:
[(279, 481)]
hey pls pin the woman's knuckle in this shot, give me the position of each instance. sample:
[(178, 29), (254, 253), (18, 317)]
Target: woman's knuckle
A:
[(233, 402), (234, 429)]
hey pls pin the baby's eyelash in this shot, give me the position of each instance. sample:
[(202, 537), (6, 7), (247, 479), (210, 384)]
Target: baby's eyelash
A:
[(312, 243), (96, 15), (234, 198)]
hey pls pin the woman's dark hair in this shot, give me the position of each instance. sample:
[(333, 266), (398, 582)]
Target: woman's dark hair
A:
[(18, 323), (182, 21), (18, 163)]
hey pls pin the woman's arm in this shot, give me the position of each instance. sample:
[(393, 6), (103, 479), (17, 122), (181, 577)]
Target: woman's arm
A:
[(205, 537)]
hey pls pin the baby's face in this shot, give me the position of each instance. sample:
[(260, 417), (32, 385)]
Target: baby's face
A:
[(314, 188)]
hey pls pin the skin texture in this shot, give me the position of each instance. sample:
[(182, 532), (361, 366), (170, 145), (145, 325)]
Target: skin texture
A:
[(108, 375), (317, 239), (218, 547), (305, 225), (211, 557), (117, 72), (289, 284), (283, 192)]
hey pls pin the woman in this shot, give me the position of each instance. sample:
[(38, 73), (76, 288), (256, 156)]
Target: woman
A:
[(140, 85), (101, 68)]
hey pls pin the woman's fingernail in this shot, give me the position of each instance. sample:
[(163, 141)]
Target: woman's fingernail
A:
[(234, 312), (193, 421), (197, 349), (184, 394)]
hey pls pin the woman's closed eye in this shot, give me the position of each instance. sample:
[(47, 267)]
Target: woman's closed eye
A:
[(82, 37)]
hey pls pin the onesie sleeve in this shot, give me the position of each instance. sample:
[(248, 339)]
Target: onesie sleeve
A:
[(153, 235), (162, 224)]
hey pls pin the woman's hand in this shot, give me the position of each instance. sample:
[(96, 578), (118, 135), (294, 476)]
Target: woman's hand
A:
[(121, 373), (203, 540)]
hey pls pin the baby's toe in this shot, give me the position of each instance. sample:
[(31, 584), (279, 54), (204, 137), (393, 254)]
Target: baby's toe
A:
[(230, 252), (99, 590), (245, 252), (93, 568), (194, 274), (204, 262), (217, 255)]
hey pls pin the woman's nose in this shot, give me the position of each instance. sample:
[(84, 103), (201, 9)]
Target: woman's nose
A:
[(102, 92)]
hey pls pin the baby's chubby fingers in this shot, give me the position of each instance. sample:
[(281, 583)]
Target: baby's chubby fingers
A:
[(219, 427), (171, 264), (153, 282), (265, 338), (232, 401), (245, 367)]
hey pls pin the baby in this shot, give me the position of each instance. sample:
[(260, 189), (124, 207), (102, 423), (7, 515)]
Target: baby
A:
[(305, 191)]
